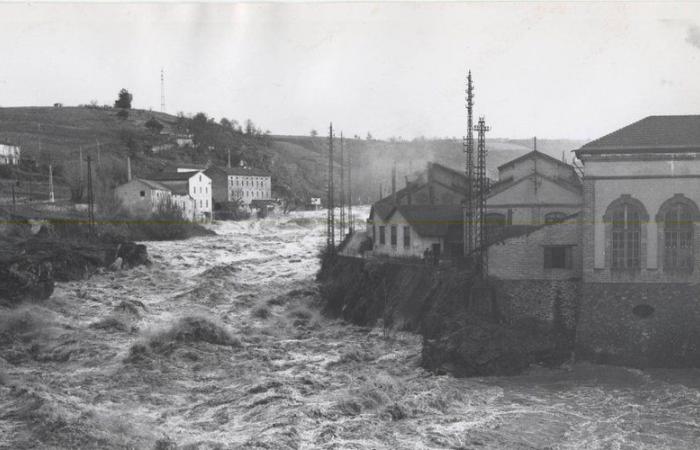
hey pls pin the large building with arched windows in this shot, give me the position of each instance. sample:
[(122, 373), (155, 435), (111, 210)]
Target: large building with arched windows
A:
[(640, 299)]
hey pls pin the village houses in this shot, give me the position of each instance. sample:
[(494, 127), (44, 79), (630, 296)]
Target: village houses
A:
[(190, 191)]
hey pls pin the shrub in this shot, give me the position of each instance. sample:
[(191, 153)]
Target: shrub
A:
[(123, 113), (153, 125)]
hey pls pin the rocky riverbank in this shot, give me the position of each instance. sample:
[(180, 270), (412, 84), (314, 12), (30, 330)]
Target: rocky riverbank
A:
[(30, 264), (463, 335)]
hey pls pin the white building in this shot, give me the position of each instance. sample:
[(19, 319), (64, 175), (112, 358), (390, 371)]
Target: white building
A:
[(410, 230), (240, 184), (196, 185), (9, 154)]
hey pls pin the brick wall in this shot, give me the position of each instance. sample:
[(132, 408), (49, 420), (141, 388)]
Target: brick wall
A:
[(613, 327), (522, 257)]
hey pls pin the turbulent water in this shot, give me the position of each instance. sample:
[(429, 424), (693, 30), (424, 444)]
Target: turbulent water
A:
[(219, 344)]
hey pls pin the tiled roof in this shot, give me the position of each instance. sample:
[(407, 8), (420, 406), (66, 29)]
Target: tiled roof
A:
[(667, 134), (534, 154), (431, 220), (177, 187), (153, 184), (172, 176), (251, 172)]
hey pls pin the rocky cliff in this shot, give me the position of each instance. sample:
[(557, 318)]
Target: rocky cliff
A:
[(464, 332)]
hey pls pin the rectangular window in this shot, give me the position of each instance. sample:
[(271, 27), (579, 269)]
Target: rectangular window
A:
[(558, 257), (393, 235), (406, 237), (382, 237), (143, 193)]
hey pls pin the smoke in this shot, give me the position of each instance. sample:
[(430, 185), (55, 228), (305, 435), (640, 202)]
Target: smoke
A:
[(693, 36)]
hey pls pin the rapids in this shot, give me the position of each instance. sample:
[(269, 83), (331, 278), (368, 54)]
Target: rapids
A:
[(220, 344)]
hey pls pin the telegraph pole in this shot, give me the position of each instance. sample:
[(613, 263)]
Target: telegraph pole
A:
[(469, 213), (52, 198), (342, 188), (351, 226), (91, 198), (483, 186), (330, 232)]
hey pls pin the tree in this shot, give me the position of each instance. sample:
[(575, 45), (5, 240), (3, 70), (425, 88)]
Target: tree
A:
[(369, 136), (314, 133), (124, 100), (123, 114), (153, 125), (249, 127)]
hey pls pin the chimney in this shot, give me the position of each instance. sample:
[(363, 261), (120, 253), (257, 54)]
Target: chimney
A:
[(128, 168)]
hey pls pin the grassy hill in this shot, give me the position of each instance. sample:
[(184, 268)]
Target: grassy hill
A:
[(58, 136)]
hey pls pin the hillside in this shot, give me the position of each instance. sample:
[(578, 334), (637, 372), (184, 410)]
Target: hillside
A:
[(58, 136)]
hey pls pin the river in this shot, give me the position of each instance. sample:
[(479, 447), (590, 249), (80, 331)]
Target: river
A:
[(219, 344)]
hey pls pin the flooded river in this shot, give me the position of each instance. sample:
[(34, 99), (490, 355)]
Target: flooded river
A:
[(219, 344)]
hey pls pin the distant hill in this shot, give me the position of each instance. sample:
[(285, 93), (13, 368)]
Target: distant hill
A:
[(298, 163)]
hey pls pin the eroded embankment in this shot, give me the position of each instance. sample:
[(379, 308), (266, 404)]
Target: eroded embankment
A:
[(463, 330)]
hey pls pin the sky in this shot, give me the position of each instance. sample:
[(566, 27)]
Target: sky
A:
[(554, 70)]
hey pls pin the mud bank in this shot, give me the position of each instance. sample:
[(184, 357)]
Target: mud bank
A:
[(465, 330)]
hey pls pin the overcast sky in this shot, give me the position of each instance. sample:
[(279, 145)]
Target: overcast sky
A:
[(574, 70)]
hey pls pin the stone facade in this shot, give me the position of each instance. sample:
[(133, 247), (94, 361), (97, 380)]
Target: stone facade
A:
[(551, 301), (640, 324)]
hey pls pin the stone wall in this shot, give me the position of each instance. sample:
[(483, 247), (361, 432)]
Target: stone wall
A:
[(554, 302), (642, 325)]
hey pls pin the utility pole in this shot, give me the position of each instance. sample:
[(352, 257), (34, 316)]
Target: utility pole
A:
[(99, 164), (80, 172), (342, 189), (469, 213), (52, 199), (482, 182), (330, 232), (91, 198), (351, 226)]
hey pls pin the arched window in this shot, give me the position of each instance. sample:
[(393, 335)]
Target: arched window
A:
[(677, 216), (554, 217), (626, 216)]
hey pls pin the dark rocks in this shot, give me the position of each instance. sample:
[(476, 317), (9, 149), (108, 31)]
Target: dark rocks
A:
[(133, 254), (481, 348), (23, 279)]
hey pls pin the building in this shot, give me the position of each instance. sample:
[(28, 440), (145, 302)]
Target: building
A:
[(409, 230), (196, 185), (9, 154), (534, 189), (437, 185), (641, 252), (240, 184), (142, 197)]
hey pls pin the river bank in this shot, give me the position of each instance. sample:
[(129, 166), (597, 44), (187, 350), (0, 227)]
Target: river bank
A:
[(219, 344)]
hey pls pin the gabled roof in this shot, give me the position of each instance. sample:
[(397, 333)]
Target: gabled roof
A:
[(509, 183), (514, 231), (534, 154), (152, 184), (653, 134), (172, 176), (177, 187), (241, 171), (430, 220)]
